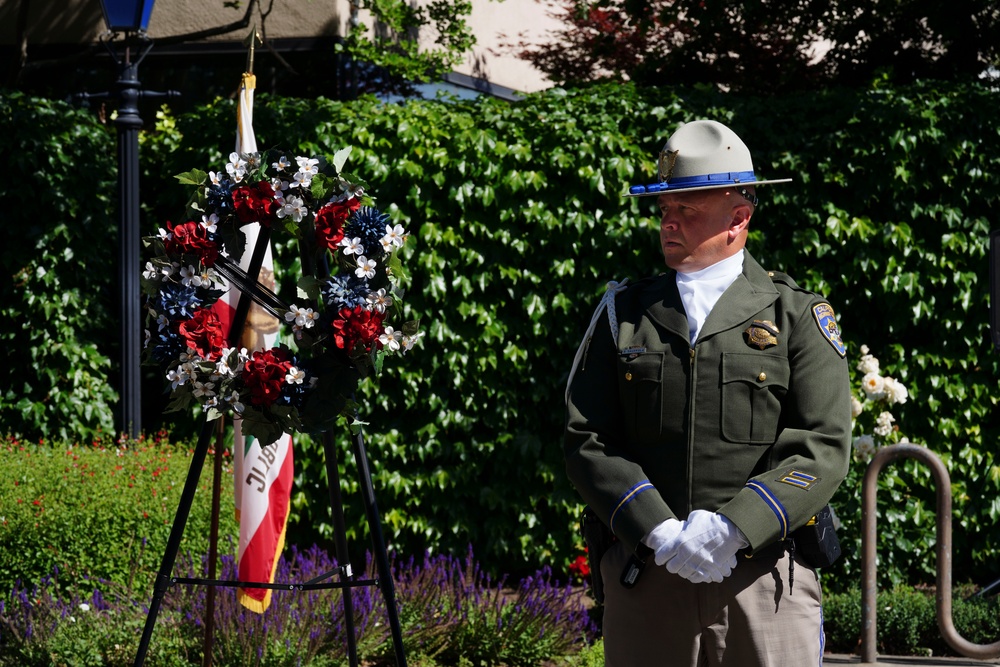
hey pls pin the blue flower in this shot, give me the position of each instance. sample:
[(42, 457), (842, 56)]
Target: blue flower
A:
[(218, 195), (176, 301), (368, 224), (345, 291)]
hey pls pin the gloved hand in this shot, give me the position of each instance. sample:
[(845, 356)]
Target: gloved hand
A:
[(706, 548), (663, 540)]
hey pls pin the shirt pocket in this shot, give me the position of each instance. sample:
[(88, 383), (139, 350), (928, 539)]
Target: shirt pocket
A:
[(753, 387), (640, 380)]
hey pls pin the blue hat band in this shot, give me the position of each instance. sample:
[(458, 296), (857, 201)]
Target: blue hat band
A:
[(681, 182)]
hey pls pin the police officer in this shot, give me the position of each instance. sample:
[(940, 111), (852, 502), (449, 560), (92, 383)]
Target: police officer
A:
[(708, 418)]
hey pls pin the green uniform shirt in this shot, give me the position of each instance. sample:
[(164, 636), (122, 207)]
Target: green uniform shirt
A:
[(753, 421)]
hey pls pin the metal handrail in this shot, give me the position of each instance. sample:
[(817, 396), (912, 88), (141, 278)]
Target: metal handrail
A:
[(946, 624)]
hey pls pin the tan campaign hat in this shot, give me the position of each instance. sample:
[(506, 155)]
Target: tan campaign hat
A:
[(703, 154)]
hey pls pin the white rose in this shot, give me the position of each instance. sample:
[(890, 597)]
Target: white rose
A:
[(874, 386), (856, 407), (883, 424), (895, 392), (864, 447)]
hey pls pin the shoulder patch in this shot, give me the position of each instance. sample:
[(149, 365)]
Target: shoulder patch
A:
[(827, 322)]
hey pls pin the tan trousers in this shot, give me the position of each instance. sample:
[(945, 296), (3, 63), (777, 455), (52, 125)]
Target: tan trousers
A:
[(751, 619)]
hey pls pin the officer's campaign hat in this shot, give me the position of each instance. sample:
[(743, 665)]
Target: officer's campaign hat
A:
[(703, 155)]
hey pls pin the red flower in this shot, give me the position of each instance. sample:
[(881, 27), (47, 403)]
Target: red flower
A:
[(580, 567), (357, 326), (255, 203), (203, 332), (265, 375), (330, 221), (192, 237)]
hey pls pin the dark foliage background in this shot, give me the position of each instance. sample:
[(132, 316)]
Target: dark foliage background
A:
[(518, 221)]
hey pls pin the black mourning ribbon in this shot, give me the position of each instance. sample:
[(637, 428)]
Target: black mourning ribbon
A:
[(261, 295)]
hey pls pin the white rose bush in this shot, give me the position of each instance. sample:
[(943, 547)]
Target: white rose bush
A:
[(874, 424)]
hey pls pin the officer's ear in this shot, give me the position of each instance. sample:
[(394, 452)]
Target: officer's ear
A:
[(740, 220)]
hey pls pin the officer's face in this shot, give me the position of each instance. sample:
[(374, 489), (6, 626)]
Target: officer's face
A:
[(698, 229)]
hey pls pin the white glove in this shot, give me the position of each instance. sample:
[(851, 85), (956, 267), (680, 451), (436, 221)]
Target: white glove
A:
[(706, 548), (663, 540)]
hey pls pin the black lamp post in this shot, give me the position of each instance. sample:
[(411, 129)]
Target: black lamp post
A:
[(129, 18)]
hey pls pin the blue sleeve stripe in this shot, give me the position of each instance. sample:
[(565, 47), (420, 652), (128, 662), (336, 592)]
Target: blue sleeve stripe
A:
[(627, 497), (774, 504)]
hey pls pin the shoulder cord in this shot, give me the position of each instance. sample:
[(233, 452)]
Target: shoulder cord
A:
[(607, 302)]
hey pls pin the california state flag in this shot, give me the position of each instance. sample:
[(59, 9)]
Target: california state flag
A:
[(262, 472)]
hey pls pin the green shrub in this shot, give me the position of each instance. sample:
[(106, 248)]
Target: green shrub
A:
[(98, 511), (906, 620)]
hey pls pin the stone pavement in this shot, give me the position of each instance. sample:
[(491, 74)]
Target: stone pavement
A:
[(831, 659)]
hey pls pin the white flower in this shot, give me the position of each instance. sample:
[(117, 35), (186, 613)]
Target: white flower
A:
[(302, 317), (883, 424), (190, 277), (253, 159), (301, 179), (180, 375), (308, 165), (409, 341), (162, 323), (874, 386), (347, 190), (366, 268), (222, 369), (379, 300), (856, 407), (352, 246), (234, 400), (151, 272), (294, 375), (279, 186), (200, 389), (281, 164), (164, 234), (83, 606), (867, 363), (237, 167), (395, 235), (864, 447), (895, 392), (215, 177), (294, 207), (390, 338), (149, 337), (210, 222)]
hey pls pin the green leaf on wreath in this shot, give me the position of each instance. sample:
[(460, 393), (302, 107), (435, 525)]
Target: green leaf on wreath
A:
[(309, 286), (411, 328), (319, 187), (340, 158), (193, 177), (257, 424)]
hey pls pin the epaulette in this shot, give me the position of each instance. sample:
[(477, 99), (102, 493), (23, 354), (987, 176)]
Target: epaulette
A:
[(786, 280)]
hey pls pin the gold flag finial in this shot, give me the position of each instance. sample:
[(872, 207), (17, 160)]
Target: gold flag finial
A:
[(251, 42)]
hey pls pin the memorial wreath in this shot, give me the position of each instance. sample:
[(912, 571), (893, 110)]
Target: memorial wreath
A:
[(349, 285)]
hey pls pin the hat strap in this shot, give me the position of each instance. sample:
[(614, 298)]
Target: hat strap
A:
[(683, 182)]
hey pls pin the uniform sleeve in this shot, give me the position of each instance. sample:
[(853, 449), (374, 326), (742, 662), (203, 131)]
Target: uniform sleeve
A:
[(810, 457), (597, 460)]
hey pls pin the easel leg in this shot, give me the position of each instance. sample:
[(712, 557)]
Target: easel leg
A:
[(378, 544), (340, 539), (174, 541)]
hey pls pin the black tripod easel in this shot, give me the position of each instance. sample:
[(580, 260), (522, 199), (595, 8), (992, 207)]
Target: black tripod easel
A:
[(345, 575)]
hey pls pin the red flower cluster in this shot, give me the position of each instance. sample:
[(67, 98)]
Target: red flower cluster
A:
[(265, 375), (204, 333), (330, 221), (357, 326), (580, 567), (191, 237), (255, 203)]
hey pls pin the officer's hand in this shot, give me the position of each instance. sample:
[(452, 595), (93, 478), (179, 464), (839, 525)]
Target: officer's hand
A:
[(706, 547), (663, 540)]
